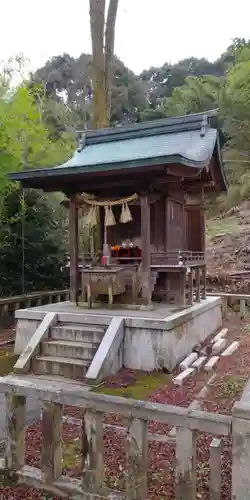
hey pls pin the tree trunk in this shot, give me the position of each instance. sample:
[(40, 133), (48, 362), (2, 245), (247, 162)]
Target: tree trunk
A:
[(102, 58), (97, 21), (109, 52)]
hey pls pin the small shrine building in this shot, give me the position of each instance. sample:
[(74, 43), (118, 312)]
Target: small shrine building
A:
[(143, 187)]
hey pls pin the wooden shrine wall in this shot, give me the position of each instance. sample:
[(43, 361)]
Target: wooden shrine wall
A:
[(158, 225), (175, 225), (195, 228)]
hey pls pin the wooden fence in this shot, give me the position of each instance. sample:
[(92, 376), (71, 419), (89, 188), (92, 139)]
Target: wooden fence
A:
[(240, 300), (93, 406), (11, 304)]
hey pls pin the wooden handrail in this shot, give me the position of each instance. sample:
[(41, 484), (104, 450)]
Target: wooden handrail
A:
[(32, 296), (138, 413), (11, 304), (243, 299)]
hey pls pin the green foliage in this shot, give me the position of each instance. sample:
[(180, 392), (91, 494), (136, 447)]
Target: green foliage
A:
[(65, 79), (26, 142), (42, 236), (195, 95)]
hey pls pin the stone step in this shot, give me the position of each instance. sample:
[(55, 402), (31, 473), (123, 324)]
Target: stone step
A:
[(62, 367), (78, 333), (69, 349)]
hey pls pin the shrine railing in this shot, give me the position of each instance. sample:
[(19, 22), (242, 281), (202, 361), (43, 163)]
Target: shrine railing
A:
[(177, 257), (11, 304), (174, 257), (94, 407)]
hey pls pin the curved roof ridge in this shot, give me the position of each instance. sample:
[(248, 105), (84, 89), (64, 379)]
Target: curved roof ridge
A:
[(154, 127)]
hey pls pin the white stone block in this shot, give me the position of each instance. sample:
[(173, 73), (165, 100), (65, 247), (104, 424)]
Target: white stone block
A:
[(211, 364), (198, 363), (183, 376), (221, 335), (230, 349), (188, 360), (219, 346)]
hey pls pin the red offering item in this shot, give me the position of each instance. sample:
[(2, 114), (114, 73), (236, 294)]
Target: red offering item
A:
[(104, 260)]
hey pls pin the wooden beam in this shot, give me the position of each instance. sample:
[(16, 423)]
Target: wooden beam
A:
[(73, 251), (145, 243)]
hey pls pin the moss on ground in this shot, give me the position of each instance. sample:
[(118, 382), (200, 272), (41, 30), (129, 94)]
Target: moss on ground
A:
[(7, 361), (223, 226), (72, 454), (141, 388)]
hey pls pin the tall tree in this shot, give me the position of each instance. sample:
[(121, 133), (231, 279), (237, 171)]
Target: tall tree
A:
[(102, 38), (196, 95)]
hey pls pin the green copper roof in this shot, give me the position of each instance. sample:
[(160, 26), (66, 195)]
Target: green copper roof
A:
[(189, 147), (189, 140)]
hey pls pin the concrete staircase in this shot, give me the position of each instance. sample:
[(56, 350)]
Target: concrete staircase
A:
[(68, 351)]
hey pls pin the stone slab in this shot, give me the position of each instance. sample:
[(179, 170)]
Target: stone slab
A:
[(199, 362), (183, 376), (230, 349), (219, 345), (109, 356), (188, 360), (211, 364), (221, 335), (23, 363)]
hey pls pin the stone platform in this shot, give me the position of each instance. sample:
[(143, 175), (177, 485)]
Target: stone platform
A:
[(150, 340)]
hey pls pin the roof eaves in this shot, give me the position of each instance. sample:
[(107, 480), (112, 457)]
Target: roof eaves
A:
[(66, 171)]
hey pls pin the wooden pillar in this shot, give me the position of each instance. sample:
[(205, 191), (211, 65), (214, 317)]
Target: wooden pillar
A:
[(101, 228), (202, 228), (204, 283), (197, 284), (190, 286), (73, 251), (167, 217), (145, 244), (183, 288)]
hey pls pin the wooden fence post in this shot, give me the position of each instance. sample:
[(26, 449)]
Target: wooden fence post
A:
[(185, 464), (242, 308), (92, 451), (215, 469), (51, 459), (137, 459), (241, 451), (15, 430)]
